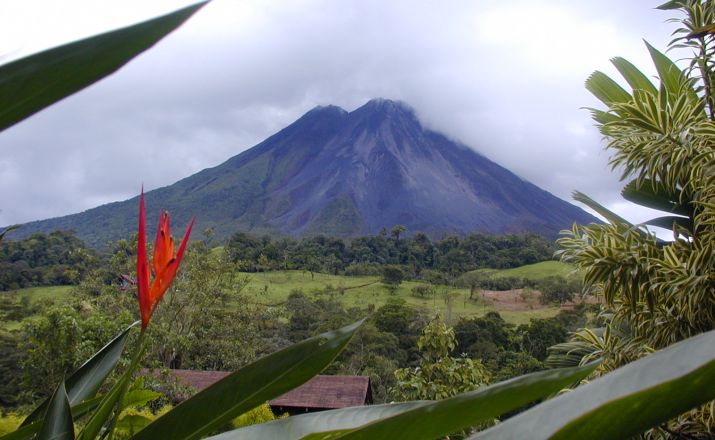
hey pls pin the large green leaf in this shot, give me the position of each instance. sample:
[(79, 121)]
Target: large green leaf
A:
[(107, 411), (635, 77), (297, 427), (670, 75), (668, 221), (605, 212), (30, 84), (28, 431), (625, 402), (58, 418), (85, 382), (417, 420), (252, 385), (605, 89), (654, 196)]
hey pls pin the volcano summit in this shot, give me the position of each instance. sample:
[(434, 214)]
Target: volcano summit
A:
[(344, 173)]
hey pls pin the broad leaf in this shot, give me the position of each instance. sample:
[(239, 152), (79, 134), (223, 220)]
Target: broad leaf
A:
[(133, 422), (30, 84), (85, 382), (106, 411), (298, 426), (627, 401), (58, 418), (605, 212), (671, 77), (443, 417), (252, 385), (417, 420), (655, 197), (605, 89), (139, 397), (28, 431), (636, 79), (667, 222)]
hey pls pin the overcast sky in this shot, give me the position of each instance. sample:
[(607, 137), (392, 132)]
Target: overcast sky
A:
[(503, 77)]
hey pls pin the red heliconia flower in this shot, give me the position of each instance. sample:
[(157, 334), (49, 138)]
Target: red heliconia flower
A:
[(165, 264)]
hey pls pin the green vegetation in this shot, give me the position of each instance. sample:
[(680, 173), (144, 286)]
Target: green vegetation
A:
[(44, 259), (536, 271), (272, 288), (655, 340), (418, 256), (661, 136)]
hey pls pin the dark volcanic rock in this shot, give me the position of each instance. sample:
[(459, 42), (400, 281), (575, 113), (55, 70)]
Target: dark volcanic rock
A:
[(346, 174)]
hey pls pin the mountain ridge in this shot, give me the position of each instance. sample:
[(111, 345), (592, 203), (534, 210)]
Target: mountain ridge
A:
[(343, 173)]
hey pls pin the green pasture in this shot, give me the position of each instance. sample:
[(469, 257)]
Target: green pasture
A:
[(534, 271), (45, 295), (42, 294), (273, 288)]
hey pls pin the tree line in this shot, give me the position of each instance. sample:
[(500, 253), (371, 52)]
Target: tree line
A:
[(418, 255)]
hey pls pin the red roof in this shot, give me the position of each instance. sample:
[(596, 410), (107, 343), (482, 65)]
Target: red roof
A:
[(199, 379), (321, 392), (328, 392)]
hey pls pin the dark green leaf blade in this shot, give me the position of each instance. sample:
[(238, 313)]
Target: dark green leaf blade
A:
[(29, 431), (32, 83), (85, 382), (446, 416), (628, 401), (667, 222), (417, 420), (605, 212), (298, 426), (58, 419), (254, 384), (655, 197)]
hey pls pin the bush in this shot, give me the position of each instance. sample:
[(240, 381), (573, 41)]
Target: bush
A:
[(423, 291), (360, 269), (557, 289), (9, 423), (259, 414)]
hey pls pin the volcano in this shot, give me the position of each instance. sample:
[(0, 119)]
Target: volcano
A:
[(345, 174)]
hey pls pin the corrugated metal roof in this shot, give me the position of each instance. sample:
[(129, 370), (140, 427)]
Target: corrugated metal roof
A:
[(321, 392), (328, 392)]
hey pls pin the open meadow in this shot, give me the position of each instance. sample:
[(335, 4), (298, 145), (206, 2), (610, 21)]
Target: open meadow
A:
[(451, 303)]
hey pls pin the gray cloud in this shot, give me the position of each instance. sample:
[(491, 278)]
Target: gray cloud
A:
[(505, 78)]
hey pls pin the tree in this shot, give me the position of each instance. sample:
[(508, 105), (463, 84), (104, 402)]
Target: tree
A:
[(661, 136), (438, 375), (398, 230), (557, 289), (392, 277)]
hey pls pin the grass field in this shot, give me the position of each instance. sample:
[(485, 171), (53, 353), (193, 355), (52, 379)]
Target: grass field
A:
[(274, 287), (535, 271), (35, 295), (43, 294)]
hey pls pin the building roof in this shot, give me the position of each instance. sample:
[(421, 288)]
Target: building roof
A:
[(198, 379), (321, 392), (327, 392)]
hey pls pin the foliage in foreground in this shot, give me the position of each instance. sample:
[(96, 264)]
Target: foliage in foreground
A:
[(624, 402), (662, 137)]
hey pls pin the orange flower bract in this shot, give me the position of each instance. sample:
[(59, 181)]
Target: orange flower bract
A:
[(164, 263)]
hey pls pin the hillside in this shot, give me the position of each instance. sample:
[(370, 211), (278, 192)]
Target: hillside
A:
[(346, 174)]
